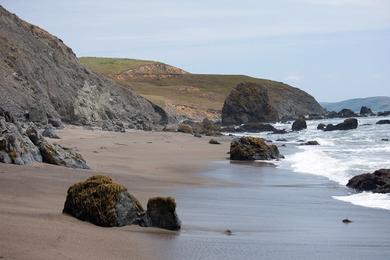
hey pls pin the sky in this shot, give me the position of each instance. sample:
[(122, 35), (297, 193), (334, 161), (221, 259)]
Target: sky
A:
[(333, 49)]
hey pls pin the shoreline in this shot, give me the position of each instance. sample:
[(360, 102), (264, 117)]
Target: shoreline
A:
[(290, 215)]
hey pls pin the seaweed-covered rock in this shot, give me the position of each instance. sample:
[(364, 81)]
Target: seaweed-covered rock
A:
[(102, 202), (50, 132), (378, 182), (252, 148), (299, 125), (348, 124), (185, 128), (161, 212)]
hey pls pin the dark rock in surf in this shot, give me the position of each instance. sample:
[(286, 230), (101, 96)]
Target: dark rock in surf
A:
[(321, 126), (161, 212), (385, 113), (348, 124), (346, 113), (251, 148), (311, 143), (383, 122), (299, 125), (377, 182), (366, 111)]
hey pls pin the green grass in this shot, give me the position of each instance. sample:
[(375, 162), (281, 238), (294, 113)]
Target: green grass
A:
[(205, 91), (112, 66)]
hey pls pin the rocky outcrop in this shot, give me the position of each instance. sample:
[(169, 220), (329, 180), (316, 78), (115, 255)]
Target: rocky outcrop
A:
[(185, 128), (378, 182), (38, 68), (24, 145), (50, 132), (384, 113), (299, 125), (252, 148), (321, 126), (383, 122), (259, 103), (366, 111), (348, 124), (344, 113), (105, 203), (205, 127)]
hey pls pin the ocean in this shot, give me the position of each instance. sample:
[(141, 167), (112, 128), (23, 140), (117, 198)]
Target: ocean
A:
[(340, 155)]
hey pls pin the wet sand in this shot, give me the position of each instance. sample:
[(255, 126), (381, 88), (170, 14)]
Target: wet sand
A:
[(272, 213)]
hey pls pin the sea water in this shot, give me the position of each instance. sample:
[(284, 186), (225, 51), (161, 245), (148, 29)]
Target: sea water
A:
[(340, 155)]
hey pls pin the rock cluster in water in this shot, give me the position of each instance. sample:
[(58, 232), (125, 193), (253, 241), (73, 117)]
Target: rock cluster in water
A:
[(378, 182), (104, 203), (348, 124), (248, 148)]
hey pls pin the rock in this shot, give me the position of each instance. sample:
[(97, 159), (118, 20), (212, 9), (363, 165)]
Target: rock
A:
[(8, 117), (299, 125), (184, 128), (248, 103), (346, 221), (228, 232), (377, 182), (346, 113), (384, 113), (15, 146), (281, 140), (321, 126), (311, 143), (213, 141), (38, 68), (38, 115), (365, 111), (56, 122), (50, 132), (252, 148), (256, 128), (197, 135), (279, 131), (62, 156), (385, 139), (348, 124), (102, 202), (332, 114), (206, 127), (383, 122), (161, 212)]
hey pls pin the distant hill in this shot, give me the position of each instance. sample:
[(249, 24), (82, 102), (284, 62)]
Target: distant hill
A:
[(189, 95), (377, 104)]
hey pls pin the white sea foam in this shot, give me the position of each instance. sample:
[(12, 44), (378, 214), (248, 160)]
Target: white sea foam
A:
[(340, 155), (367, 199)]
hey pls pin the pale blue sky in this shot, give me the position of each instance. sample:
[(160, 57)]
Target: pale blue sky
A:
[(334, 49)]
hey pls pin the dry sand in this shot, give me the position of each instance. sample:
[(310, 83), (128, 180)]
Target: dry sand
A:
[(147, 163)]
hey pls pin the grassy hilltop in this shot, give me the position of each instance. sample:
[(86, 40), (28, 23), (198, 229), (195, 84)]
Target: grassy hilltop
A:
[(192, 95)]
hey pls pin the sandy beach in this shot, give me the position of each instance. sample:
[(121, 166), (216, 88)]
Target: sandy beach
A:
[(272, 213)]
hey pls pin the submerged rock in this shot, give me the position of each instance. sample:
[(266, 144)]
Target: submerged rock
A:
[(299, 125), (383, 122), (378, 182), (346, 221), (311, 143), (348, 124), (253, 148), (102, 202)]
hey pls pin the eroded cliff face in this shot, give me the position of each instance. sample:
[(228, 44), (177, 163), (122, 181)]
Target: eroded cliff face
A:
[(258, 103), (38, 71)]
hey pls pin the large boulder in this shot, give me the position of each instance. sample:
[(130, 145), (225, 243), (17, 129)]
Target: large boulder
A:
[(366, 111), (383, 122), (102, 202), (105, 203), (321, 126), (299, 125), (346, 113), (248, 103), (185, 128), (161, 212), (378, 182), (348, 124), (252, 148), (204, 127)]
